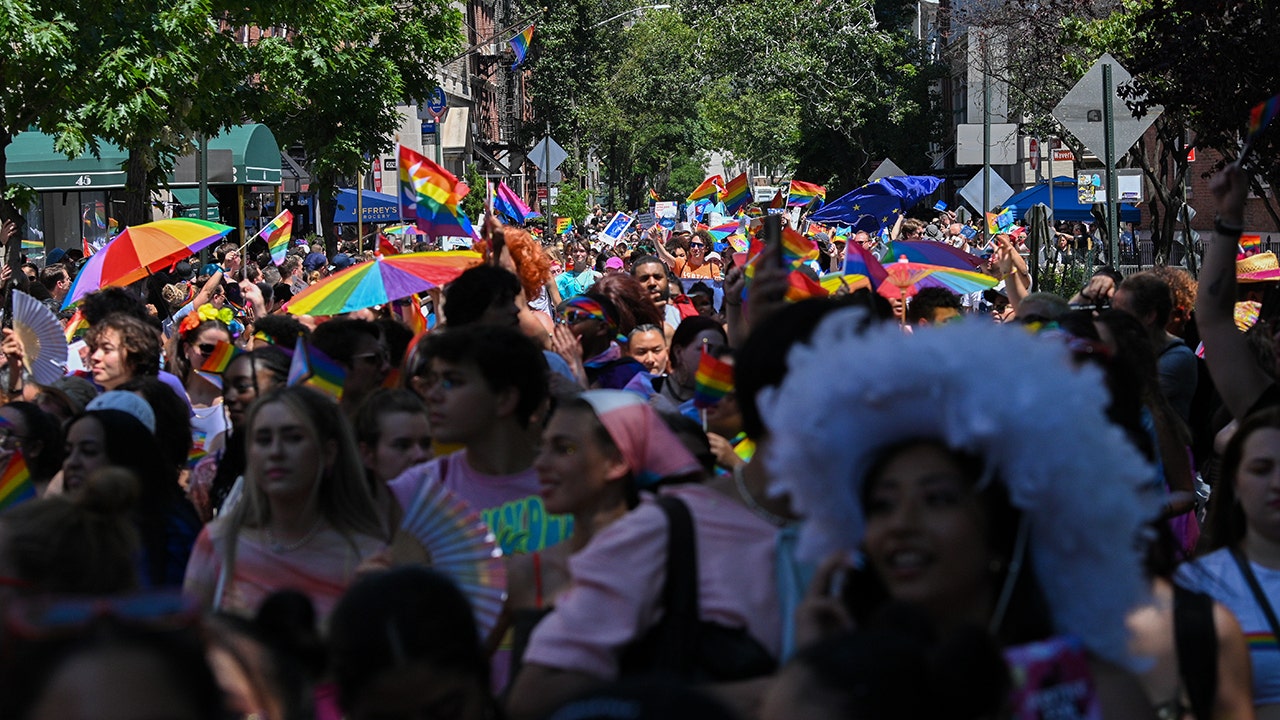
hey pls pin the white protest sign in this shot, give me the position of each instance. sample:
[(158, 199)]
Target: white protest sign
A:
[(666, 208), (617, 228)]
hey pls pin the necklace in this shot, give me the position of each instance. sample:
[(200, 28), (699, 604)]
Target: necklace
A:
[(277, 546), (752, 505)]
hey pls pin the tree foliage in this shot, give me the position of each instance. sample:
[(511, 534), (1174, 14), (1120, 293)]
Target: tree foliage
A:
[(334, 84)]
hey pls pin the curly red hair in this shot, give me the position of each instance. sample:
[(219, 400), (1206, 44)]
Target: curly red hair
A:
[(532, 266)]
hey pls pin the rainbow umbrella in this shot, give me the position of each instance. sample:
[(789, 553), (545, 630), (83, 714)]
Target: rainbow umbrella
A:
[(906, 278), (934, 253), (403, 230), (141, 250), (379, 282)]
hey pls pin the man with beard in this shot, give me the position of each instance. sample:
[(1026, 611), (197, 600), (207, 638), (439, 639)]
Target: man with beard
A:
[(652, 274)]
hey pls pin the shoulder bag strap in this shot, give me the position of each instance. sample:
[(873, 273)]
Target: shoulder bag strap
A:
[(1196, 641), (680, 592), (1260, 597)]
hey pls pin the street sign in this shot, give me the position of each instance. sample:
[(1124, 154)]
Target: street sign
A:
[(999, 191), (428, 127), (886, 169), (1081, 111), (547, 152), (1033, 153), (437, 101), (1063, 155)]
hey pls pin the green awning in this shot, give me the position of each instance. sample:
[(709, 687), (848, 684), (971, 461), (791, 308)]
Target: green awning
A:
[(255, 153), (32, 161), (189, 199)]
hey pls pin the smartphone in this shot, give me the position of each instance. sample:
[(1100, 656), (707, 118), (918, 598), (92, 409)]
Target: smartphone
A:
[(773, 235)]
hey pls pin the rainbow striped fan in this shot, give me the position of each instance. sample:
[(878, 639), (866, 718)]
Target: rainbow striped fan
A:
[(43, 345), (459, 544)]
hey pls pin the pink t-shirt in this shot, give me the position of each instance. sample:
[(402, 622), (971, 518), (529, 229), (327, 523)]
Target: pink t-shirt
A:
[(617, 582), (510, 504)]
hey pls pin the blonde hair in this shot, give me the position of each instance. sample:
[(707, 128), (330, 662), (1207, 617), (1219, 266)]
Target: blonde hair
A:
[(342, 494)]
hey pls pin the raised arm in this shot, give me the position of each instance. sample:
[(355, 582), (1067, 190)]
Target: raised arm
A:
[(1235, 372)]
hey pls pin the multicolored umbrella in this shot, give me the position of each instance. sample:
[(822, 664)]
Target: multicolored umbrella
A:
[(381, 281), (934, 253), (141, 250), (906, 278), (402, 230)]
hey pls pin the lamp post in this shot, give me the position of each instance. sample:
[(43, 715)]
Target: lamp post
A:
[(632, 11)]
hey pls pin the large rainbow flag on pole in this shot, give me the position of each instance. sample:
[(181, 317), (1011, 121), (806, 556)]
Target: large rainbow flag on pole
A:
[(277, 233), (736, 194), (708, 189), (803, 193), (429, 195), (520, 45)]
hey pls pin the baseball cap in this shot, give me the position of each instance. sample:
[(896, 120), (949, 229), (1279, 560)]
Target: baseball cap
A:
[(342, 261), (55, 256), (613, 263), (314, 262), (128, 402), (74, 391)]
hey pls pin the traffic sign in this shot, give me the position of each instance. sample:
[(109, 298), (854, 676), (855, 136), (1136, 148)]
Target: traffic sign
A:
[(437, 101), (1033, 153), (999, 191), (1081, 111), (885, 169), (547, 152)]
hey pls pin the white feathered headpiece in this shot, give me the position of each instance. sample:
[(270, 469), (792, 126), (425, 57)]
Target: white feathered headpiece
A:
[(995, 391)]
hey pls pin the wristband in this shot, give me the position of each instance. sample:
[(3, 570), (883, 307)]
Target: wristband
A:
[(1222, 228)]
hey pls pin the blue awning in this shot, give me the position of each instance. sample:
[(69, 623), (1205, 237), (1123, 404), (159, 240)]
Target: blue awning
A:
[(1066, 203), (378, 207)]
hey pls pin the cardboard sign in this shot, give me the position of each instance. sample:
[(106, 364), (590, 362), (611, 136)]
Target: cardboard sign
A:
[(645, 220), (666, 209)]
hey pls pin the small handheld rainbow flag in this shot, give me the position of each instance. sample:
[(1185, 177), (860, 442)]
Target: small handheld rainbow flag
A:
[(1250, 245), (316, 369), (653, 195), (737, 194), (796, 248), (802, 287), (1261, 116), (713, 380), (803, 193), (76, 327), (708, 189), (563, 225), (218, 360), (15, 483), (779, 201), (277, 233), (410, 311), (520, 45), (32, 245)]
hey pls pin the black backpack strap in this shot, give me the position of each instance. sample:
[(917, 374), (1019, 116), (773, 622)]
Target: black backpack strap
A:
[(1196, 640), (678, 647)]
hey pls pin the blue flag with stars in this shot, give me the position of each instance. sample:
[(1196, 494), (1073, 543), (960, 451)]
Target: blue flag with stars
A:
[(878, 203)]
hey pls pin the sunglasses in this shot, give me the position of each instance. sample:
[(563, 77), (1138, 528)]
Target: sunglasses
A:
[(207, 349), (573, 317), (696, 246)]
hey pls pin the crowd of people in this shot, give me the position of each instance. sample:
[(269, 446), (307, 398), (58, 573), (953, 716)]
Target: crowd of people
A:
[(1011, 505)]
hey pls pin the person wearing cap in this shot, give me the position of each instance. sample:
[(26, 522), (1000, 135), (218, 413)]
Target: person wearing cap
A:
[(613, 265), (67, 397), (341, 261)]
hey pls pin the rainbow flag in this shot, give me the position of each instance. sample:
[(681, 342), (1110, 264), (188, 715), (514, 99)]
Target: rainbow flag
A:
[(653, 195), (410, 311), (720, 232), (222, 355), (76, 327), (802, 193), (507, 202), (15, 483), (736, 194), (713, 380), (802, 287), (1250, 245), (708, 189), (520, 45), (859, 261), (33, 245), (386, 247), (563, 225), (430, 196), (316, 369), (797, 248), (1260, 640), (1262, 115), (277, 233), (779, 201), (999, 222)]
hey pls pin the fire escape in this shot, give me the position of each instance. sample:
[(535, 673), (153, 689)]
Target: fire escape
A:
[(497, 88)]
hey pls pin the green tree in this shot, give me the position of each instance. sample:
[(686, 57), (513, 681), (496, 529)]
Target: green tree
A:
[(473, 203), (821, 91), (334, 84), (44, 54)]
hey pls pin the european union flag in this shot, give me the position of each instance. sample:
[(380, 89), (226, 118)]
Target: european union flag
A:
[(878, 203)]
